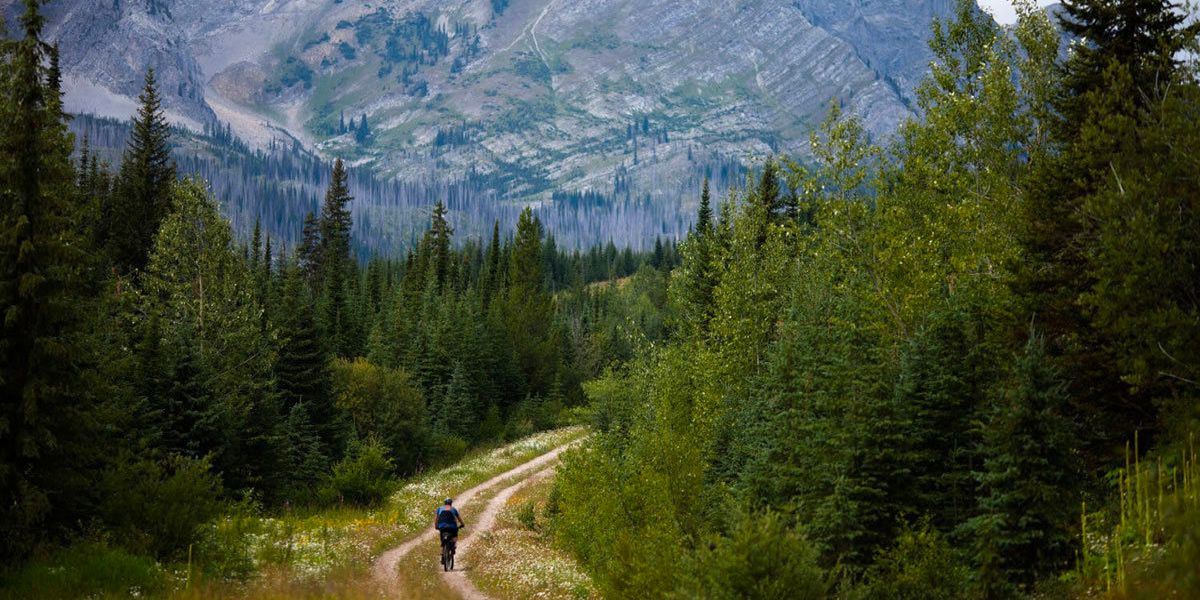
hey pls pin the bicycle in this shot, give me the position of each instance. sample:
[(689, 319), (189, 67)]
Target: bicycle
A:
[(449, 547)]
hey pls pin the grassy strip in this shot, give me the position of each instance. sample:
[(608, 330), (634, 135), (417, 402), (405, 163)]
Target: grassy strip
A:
[(517, 559)]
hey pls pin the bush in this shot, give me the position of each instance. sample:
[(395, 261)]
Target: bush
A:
[(921, 566), (363, 477), (386, 404), (760, 557), (449, 449), (527, 516), (226, 547), (158, 506)]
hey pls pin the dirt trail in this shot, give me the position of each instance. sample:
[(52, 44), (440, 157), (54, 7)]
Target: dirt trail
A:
[(384, 569), (457, 579)]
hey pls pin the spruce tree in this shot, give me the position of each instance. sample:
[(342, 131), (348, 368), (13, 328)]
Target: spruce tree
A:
[(336, 308), (1128, 58), (492, 281), (1024, 528), (438, 239), (302, 367), (1144, 37), (46, 448), (460, 409), (309, 254), (528, 310), (768, 193), (704, 219), (142, 196)]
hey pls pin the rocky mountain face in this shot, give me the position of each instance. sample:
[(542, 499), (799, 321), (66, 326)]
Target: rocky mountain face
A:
[(626, 101)]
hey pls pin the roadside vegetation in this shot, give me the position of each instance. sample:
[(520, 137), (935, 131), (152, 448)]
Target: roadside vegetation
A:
[(519, 557), (958, 365), (307, 552)]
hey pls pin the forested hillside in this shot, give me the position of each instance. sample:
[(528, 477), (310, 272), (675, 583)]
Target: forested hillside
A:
[(960, 365), (277, 186)]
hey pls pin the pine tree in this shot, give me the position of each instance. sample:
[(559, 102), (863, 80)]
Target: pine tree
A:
[(256, 245), (335, 304), (1024, 529), (528, 309), (142, 196), (309, 254), (692, 284), (491, 281), (437, 242), (302, 367), (46, 445), (303, 462), (199, 285), (704, 219), (1145, 37), (768, 193), (1128, 59), (460, 410)]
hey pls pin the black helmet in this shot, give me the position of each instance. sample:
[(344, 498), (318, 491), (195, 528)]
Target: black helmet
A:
[(449, 500)]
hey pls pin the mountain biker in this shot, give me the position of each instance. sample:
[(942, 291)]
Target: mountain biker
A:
[(447, 521)]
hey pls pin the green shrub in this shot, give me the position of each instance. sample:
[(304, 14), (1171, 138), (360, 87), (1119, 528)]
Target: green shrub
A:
[(225, 548), (760, 557), (88, 569), (363, 477), (527, 516), (158, 506), (921, 566), (449, 448), (386, 404)]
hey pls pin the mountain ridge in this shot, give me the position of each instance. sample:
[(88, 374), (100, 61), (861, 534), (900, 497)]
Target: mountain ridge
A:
[(628, 100)]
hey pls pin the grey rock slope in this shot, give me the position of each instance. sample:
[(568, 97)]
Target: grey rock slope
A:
[(627, 98)]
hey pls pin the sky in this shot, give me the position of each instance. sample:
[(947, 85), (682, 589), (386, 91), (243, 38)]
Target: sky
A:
[(1002, 10)]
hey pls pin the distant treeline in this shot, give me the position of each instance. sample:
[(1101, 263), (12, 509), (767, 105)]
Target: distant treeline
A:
[(281, 183)]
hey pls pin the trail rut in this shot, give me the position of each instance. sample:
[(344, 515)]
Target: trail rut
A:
[(483, 518)]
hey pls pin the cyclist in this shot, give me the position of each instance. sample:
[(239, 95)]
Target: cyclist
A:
[(447, 521)]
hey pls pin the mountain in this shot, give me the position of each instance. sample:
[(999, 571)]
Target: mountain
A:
[(630, 102)]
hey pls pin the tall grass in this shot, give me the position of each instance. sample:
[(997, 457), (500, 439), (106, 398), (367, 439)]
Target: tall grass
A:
[(1151, 548), (94, 570)]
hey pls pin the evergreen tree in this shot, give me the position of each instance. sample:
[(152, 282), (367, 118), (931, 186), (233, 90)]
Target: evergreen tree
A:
[(528, 310), (1144, 37), (491, 283), (460, 410), (437, 242), (704, 219), (693, 283), (302, 367), (142, 196), (197, 283), (768, 193), (256, 246), (336, 308), (309, 254), (1129, 58), (1024, 529), (46, 445), (303, 461)]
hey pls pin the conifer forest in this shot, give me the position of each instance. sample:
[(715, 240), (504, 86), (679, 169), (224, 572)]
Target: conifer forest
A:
[(960, 360)]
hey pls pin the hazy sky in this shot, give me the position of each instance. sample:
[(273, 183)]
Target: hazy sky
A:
[(1002, 10)]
